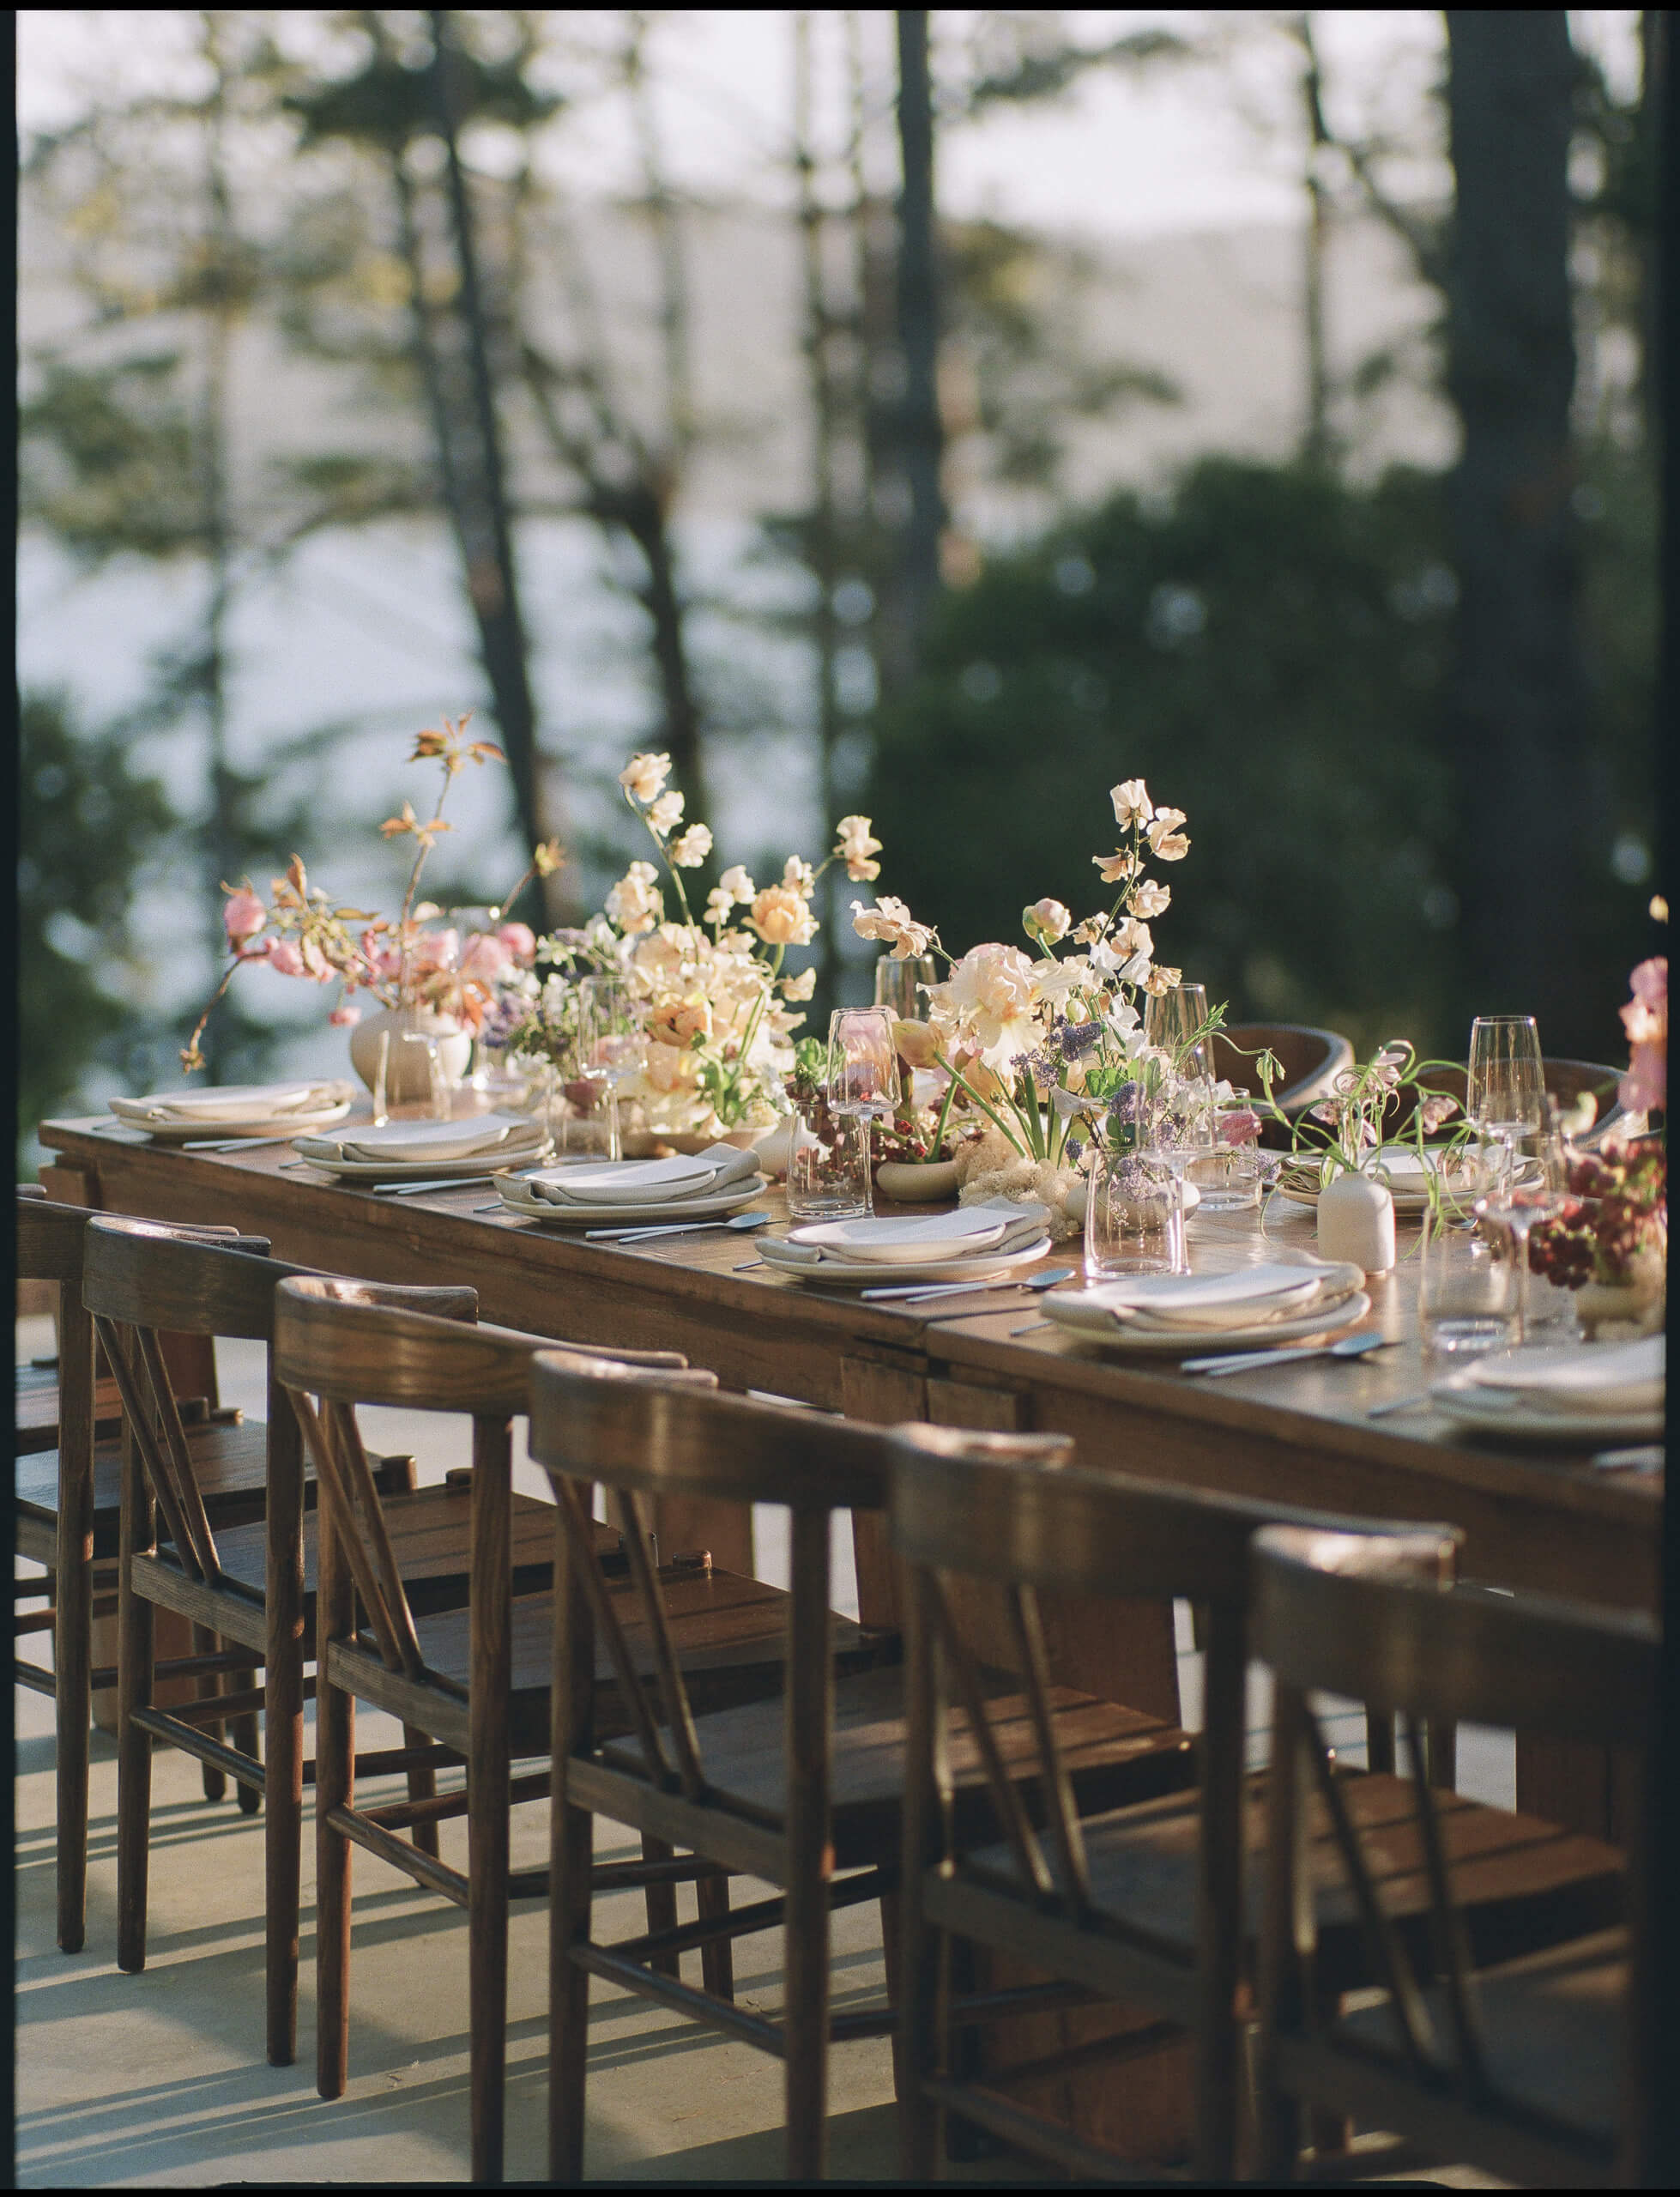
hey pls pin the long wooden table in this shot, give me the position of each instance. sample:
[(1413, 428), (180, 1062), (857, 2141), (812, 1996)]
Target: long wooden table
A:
[(1540, 1520)]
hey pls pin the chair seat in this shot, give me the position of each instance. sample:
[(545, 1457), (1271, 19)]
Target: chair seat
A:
[(428, 1533), (1553, 2029), (1520, 1882), (1112, 1753), (730, 1634), (35, 1416)]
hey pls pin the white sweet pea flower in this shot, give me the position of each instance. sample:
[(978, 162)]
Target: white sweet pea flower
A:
[(1149, 899), (644, 776), (1130, 936), (720, 905), (855, 844), (800, 987), (1115, 868), (666, 814), (739, 886), (1131, 803), (890, 920), (690, 849), (798, 877), (1047, 922), (1168, 843)]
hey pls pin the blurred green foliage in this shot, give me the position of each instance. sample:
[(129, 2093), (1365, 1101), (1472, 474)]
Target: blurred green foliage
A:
[(1268, 647), (87, 823)]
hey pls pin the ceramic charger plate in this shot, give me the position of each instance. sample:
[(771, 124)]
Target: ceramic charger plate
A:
[(716, 1205), (258, 1120), (853, 1273), (513, 1150), (1074, 1310), (1510, 1418), (1406, 1179)]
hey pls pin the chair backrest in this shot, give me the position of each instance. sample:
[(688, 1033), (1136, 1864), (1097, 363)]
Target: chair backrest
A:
[(1332, 1612), (337, 1344), (1011, 1509), (49, 1236), (1565, 1081), (1311, 1060), (644, 1435)]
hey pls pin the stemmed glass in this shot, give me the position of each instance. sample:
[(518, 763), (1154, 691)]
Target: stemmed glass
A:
[(902, 985), (863, 1080), (609, 1045), (1171, 1020), (1505, 1091)]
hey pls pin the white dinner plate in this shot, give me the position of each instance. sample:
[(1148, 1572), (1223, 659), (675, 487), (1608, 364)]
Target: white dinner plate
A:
[(208, 1131), (424, 1170), (850, 1273), (717, 1205), (1485, 1411), (1297, 1182), (1071, 1310)]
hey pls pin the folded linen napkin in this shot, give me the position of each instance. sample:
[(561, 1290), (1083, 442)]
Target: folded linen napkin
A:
[(234, 1102), (1250, 1295), (424, 1141), (646, 1181), (995, 1229), (1585, 1377)]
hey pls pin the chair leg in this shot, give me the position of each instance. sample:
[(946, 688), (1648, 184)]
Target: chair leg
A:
[(135, 1655), (282, 1835), (661, 1905), (73, 1707), (571, 1850), (204, 1643), (243, 1733), (334, 1787), (422, 1786), (717, 1961), (487, 1842), (917, 2035)]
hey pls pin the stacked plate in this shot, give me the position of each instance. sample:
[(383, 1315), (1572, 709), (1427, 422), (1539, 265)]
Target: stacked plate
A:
[(232, 1110), (1406, 1171), (401, 1151), (977, 1242), (701, 1186), (1576, 1394), (1169, 1313)]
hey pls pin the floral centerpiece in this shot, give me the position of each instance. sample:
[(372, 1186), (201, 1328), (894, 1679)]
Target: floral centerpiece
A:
[(1344, 1133), (1610, 1243), (406, 964), (1041, 1052), (719, 1013)]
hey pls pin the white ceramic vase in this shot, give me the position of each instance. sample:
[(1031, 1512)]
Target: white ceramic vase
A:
[(1356, 1222), (406, 1081)]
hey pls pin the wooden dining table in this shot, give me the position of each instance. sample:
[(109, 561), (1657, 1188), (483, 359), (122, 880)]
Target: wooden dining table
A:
[(1546, 1519)]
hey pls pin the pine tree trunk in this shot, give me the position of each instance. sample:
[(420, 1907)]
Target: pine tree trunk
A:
[(916, 582), (1517, 708)]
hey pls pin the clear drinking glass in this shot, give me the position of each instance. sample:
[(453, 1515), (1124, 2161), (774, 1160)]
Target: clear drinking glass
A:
[(1228, 1178), (828, 1164), (609, 1045), (1175, 1128), (901, 986), (1533, 1185), (1134, 1217), (863, 1080), (419, 1068), (1171, 1020), (1468, 1285), (1505, 1091)]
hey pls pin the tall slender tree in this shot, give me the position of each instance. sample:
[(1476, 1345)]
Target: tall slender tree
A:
[(919, 437), (1518, 705)]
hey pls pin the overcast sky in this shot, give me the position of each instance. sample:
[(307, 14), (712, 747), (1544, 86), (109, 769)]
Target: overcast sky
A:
[(1175, 149)]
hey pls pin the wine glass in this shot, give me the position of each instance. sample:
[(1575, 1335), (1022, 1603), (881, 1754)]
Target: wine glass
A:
[(863, 1080), (609, 1045), (902, 985), (1505, 1091), (1171, 1021), (1532, 1186)]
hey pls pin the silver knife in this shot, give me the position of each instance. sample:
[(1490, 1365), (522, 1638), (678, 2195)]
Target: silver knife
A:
[(416, 1190)]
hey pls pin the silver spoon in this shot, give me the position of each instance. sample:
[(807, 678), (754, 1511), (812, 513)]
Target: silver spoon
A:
[(1243, 1361), (915, 1292)]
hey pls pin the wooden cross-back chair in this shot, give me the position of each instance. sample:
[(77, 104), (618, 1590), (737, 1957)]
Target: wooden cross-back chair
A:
[(1154, 1906), (246, 1586), (1565, 1081), (1535, 2068), (68, 1503), (35, 1401), (479, 1680), (804, 1792)]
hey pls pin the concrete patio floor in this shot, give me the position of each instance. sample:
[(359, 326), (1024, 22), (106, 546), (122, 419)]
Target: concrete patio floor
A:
[(160, 2079)]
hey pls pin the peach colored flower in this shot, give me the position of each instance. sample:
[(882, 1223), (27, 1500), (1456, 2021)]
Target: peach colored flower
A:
[(890, 920), (1149, 899), (666, 814), (1046, 920), (1115, 868), (690, 849), (798, 877), (681, 1021), (1159, 982), (781, 917), (634, 904), (1169, 843), (796, 989), (917, 1043), (645, 775), (987, 999), (855, 844), (1131, 803), (738, 885)]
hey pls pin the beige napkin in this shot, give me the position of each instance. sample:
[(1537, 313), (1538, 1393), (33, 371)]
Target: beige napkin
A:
[(1006, 1227), (630, 1182), (1584, 1376), (233, 1102), (1211, 1300), (424, 1142)]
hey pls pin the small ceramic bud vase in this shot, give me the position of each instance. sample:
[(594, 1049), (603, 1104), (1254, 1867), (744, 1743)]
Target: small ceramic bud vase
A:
[(1356, 1222)]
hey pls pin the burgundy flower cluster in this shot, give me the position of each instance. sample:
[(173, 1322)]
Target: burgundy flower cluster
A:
[(1618, 1207)]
